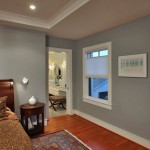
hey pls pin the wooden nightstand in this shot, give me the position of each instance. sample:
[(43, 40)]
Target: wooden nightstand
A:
[(26, 111)]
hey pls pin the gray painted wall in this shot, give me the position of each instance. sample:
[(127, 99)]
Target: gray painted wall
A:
[(59, 42), (22, 53), (130, 96)]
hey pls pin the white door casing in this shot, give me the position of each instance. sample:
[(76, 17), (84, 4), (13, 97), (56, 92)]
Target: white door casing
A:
[(69, 107)]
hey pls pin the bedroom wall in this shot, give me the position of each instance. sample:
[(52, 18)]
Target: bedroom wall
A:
[(130, 96), (22, 54), (59, 42)]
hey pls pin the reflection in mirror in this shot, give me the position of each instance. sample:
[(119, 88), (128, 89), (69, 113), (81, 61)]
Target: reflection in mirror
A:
[(57, 69), (58, 75)]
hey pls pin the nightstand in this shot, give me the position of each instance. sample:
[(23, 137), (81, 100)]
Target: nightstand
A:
[(26, 111)]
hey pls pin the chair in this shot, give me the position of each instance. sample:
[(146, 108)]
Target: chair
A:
[(57, 100)]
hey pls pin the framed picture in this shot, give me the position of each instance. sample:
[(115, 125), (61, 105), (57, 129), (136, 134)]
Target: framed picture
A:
[(132, 65)]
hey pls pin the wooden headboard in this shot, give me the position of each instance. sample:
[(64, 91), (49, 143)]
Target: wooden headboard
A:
[(6, 89)]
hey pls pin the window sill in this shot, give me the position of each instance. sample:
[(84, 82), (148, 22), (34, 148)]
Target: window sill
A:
[(97, 103)]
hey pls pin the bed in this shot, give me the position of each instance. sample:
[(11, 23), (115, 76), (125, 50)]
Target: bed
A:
[(12, 134)]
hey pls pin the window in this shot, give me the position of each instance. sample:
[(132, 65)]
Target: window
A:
[(97, 75)]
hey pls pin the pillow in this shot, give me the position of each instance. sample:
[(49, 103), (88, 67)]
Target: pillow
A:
[(8, 109), (3, 106), (9, 115)]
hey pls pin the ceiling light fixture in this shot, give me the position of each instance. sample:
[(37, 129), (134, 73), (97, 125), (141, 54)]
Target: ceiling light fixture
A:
[(33, 7)]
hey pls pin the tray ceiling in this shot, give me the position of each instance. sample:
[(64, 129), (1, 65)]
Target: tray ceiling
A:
[(45, 8), (72, 19)]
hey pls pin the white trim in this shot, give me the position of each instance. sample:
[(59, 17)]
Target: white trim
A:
[(122, 132), (10, 17), (46, 24), (97, 76), (66, 11), (98, 103), (69, 108), (92, 100)]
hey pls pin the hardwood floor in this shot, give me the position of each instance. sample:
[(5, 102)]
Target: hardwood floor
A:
[(93, 135)]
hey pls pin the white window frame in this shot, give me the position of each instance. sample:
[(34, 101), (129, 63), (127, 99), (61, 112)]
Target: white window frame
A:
[(96, 101)]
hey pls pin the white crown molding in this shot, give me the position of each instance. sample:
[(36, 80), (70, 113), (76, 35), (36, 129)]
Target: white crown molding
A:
[(66, 11), (124, 133), (15, 18), (46, 24)]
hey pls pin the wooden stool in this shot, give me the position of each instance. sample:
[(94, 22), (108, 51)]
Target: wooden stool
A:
[(57, 100)]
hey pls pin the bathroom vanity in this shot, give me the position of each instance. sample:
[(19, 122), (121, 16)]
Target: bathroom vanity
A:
[(57, 90)]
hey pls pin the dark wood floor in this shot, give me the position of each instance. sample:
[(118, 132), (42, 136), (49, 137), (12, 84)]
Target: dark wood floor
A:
[(93, 135)]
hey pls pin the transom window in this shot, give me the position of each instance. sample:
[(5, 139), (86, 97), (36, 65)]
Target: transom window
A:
[(97, 75), (97, 53)]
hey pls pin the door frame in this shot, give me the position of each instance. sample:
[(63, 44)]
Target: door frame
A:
[(69, 103)]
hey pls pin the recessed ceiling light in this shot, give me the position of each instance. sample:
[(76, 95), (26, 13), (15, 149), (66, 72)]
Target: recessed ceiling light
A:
[(33, 7)]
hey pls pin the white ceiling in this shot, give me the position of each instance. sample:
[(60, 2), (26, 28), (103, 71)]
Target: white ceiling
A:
[(72, 19)]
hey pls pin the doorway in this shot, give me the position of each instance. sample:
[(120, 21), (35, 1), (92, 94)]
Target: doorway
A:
[(60, 80)]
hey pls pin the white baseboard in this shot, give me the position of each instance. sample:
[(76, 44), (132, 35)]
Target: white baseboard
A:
[(126, 134)]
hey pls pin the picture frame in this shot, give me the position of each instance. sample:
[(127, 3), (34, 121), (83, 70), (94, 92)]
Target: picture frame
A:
[(132, 65)]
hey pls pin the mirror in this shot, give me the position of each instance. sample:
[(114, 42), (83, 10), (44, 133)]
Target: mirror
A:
[(55, 74), (58, 75), (57, 71)]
